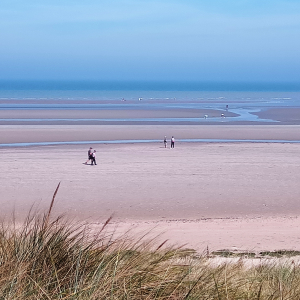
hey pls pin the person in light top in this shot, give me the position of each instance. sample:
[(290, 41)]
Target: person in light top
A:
[(94, 158), (172, 142)]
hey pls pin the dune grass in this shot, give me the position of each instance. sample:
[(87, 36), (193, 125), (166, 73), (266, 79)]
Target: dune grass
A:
[(47, 258)]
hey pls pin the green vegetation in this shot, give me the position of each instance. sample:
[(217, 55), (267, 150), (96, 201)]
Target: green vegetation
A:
[(54, 259), (228, 253), (280, 253)]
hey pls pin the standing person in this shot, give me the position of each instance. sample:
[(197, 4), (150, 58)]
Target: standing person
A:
[(94, 158), (165, 142), (90, 152), (172, 142)]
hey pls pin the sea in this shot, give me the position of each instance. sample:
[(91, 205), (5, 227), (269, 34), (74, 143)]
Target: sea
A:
[(245, 92), (241, 98)]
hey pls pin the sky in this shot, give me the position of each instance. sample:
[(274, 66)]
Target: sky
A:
[(186, 40)]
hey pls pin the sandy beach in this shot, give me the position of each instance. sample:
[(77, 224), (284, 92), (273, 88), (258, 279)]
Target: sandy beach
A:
[(71, 133), (221, 195)]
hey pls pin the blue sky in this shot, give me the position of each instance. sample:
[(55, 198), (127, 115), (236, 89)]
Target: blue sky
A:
[(209, 40)]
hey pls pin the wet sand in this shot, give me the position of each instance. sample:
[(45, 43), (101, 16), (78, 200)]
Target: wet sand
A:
[(143, 115), (71, 133), (118, 116), (286, 115), (111, 114), (222, 195)]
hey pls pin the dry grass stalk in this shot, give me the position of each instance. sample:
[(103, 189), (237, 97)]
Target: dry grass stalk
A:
[(57, 259)]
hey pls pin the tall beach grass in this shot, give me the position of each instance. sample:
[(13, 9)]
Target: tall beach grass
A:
[(53, 258)]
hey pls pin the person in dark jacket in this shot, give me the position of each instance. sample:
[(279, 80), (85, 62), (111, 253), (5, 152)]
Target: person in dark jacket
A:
[(165, 141), (90, 155)]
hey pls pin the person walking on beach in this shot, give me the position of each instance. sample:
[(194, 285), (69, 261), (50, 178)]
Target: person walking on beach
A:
[(90, 152), (94, 158), (172, 142), (165, 142)]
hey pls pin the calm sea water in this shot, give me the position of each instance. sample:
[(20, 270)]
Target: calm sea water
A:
[(179, 91)]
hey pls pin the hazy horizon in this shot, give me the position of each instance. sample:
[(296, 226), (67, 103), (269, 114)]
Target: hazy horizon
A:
[(148, 85)]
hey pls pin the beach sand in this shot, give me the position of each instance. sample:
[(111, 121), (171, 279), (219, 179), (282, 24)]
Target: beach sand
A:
[(221, 195), (116, 116), (108, 113), (65, 133), (146, 115)]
